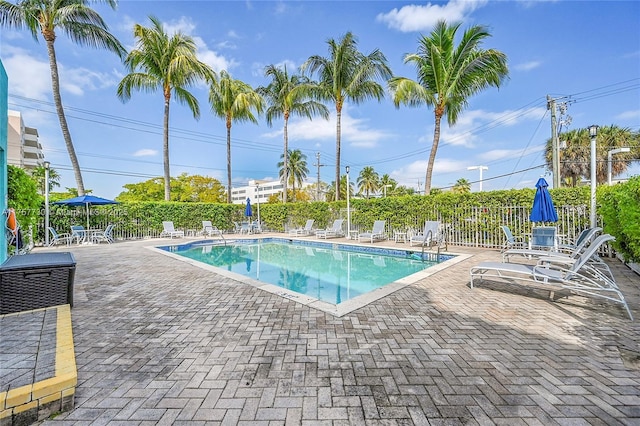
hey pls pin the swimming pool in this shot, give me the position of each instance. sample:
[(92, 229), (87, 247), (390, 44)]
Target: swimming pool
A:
[(328, 272)]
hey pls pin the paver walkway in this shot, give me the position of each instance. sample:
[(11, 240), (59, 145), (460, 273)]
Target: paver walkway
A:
[(159, 341)]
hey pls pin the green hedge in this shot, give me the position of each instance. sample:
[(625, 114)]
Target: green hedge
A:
[(619, 206)]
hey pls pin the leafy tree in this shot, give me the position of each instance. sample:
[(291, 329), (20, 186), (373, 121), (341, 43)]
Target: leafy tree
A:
[(298, 195), (316, 192), (448, 75), (462, 186), (82, 24), (297, 169), (233, 100), (38, 175), (185, 188), (22, 196), (348, 75), (575, 159), (368, 181), (167, 63), (289, 95), (331, 190)]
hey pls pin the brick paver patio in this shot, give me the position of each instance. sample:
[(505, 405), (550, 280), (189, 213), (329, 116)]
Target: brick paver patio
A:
[(159, 341)]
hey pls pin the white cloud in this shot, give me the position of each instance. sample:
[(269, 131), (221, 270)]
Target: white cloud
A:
[(145, 153), (501, 154), (423, 17), (527, 66), (628, 115), (28, 75), (413, 173), (356, 132)]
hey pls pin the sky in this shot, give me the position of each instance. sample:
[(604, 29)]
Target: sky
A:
[(584, 54)]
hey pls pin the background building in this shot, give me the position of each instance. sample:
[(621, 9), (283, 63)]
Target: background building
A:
[(258, 191), (23, 148)]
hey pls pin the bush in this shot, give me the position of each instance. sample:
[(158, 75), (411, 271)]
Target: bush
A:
[(619, 206)]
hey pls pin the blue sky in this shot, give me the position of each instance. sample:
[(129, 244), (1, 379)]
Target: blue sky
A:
[(584, 52)]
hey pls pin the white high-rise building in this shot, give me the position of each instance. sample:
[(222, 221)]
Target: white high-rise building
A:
[(258, 191), (23, 147)]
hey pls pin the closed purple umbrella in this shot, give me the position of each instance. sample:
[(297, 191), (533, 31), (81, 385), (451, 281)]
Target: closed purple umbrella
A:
[(247, 211), (543, 209)]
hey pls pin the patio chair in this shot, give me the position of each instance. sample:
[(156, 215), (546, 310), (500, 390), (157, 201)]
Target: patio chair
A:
[(105, 235), (333, 232), (59, 238), (429, 235), (512, 242), (555, 273), (208, 230), (376, 233), (78, 233), (566, 250), (306, 230), (170, 231)]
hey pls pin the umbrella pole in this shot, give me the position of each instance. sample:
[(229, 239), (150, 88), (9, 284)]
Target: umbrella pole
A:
[(87, 216)]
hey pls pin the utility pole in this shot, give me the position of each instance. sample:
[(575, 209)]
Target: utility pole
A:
[(555, 146), (318, 165)]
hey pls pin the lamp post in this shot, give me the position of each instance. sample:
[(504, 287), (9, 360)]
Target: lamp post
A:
[(258, 201), (593, 133), (385, 189), (609, 154), (481, 168), (46, 165), (348, 209)]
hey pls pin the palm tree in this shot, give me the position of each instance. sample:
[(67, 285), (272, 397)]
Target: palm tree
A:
[(575, 160), (331, 190), (167, 63), (82, 24), (231, 100), (387, 181), (289, 95), (348, 75), (39, 173), (368, 181), (295, 170), (448, 76), (462, 186)]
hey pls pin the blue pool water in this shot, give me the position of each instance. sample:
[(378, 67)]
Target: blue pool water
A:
[(333, 273)]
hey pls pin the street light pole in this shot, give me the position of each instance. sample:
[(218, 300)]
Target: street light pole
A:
[(348, 209), (609, 154), (385, 189), (258, 201), (593, 133), (481, 168), (46, 165)]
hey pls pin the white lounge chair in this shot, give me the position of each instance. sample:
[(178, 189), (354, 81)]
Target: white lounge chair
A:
[(566, 250), (333, 232), (208, 230), (170, 231), (555, 273), (59, 238), (512, 242), (307, 230), (105, 235), (376, 233), (430, 235)]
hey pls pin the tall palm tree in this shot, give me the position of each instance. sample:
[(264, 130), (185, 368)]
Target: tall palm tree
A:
[(82, 24), (448, 75), (233, 100), (575, 160), (331, 190), (462, 186), (387, 181), (289, 95), (295, 169), (168, 63), (348, 75), (368, 181)]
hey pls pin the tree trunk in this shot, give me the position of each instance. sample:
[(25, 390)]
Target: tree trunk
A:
[(165, 147), (432, 155), (338, 132), (55, 84), (286, 158), (228, 160)]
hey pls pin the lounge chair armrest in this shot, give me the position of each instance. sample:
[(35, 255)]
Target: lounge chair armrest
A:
[(557, 260)]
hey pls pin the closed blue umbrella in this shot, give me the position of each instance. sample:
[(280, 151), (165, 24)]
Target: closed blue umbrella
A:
[(543, 209), (248, 212)]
